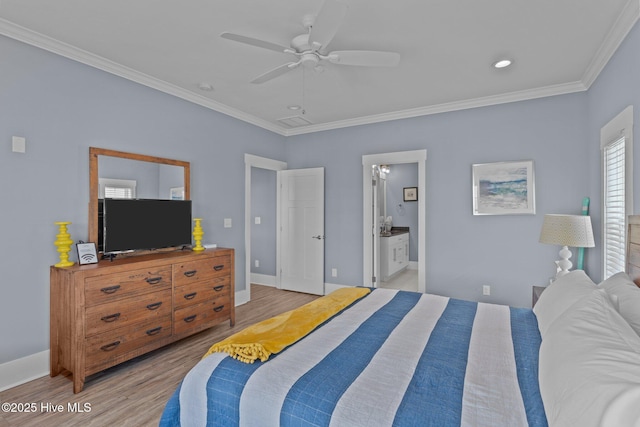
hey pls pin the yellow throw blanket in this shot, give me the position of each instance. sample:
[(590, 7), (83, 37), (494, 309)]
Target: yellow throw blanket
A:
[(273, 335)]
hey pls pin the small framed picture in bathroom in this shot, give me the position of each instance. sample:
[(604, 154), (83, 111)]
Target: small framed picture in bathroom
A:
[(410, 194)]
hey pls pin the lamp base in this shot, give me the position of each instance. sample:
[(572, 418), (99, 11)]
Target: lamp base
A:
[(563, 264)]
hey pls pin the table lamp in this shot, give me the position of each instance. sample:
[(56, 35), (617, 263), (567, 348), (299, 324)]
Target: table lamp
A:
[(567, 231)]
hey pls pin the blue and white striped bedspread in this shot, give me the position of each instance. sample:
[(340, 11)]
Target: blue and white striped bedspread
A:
[(393, 358)]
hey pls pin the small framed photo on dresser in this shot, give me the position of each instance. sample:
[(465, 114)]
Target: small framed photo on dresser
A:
[(87, 253)]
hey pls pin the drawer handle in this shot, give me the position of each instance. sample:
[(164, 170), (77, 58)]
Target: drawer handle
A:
[(154, 331), (190, 318), (218, 308), (190, 273), (154, 280), (154, 306), (218, 288), (192, 295), (110, 289), (110, 318), (218, 267), (111, 346)]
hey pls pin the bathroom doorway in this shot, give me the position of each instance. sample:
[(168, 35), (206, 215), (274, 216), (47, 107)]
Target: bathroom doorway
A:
[(372, 226)]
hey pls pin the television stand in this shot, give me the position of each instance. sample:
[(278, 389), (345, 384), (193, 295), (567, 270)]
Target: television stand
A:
[(106, 313), (110, 257)]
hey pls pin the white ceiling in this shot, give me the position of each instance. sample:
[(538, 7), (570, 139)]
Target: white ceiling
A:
[(446, 47)]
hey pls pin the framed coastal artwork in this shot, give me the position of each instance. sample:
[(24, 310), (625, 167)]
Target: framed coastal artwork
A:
[(503, 188)]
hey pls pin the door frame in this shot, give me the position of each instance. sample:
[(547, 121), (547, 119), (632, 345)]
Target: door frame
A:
[(368, 160), (251, 161)]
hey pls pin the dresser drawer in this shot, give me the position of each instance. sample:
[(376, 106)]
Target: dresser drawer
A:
[(200, 292), (193, 316), (106, 317), (109, 345), (103, 289), (196, 271)]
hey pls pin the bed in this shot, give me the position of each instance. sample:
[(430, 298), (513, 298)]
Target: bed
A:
[(407, 359)]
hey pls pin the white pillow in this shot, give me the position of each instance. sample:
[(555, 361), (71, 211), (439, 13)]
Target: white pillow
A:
[(590, 367), (560, 295), (627, 295)]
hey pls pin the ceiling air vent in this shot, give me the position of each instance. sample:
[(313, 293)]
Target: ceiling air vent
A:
[(295, 121)]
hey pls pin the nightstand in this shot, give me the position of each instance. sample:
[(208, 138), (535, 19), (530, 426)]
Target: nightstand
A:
[(537, 291)]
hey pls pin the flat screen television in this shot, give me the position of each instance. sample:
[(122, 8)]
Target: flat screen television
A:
[(136, 224)]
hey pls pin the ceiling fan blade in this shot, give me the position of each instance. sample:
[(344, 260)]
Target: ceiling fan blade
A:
[(278, 71), (327, 23), (365, 58), (254, 42)]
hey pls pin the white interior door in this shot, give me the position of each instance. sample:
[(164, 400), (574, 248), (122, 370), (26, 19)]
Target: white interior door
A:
[(302, 230)]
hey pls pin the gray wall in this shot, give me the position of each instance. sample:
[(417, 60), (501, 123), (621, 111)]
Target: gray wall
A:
[(464, 252), (617, 87), (62, 108), (263, 235)]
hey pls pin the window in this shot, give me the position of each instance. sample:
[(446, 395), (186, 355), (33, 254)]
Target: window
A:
[(117, 188), (617, 193)]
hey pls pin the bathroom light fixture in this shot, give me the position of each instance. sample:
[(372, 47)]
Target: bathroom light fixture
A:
[(385, 168), (503, 63)]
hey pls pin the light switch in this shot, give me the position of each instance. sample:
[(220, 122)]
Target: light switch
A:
[(19, 144), (227, 223), (258, 220)]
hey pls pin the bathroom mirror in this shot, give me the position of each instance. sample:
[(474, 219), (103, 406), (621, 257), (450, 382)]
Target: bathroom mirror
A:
[(155, 178)]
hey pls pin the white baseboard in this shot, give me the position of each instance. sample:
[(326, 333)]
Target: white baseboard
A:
[(241, 297), (263, 279), (330, 287), (23, 370), (34, 366)]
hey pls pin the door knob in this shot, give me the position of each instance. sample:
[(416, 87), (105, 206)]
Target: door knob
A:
[(319, 237)]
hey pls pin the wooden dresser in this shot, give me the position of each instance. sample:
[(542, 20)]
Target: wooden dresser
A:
[(104, 314)]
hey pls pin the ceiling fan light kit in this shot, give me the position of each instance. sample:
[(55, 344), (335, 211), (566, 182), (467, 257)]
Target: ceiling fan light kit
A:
[(311, 47)]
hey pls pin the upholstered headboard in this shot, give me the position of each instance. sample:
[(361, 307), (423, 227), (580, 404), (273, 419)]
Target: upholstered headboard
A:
[(633, 249)]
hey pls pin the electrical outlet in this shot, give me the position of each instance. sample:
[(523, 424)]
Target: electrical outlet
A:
[(334, 272), (257, 263), (486, 290)]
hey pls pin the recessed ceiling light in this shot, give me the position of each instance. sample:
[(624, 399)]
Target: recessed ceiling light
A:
[(294, 107), (503, 63), (207, 87)]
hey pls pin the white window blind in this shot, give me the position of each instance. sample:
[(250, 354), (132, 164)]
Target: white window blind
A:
[(118, 192), (116, 188), (614, 228)]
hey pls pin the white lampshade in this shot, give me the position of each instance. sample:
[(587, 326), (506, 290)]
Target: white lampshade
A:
[(567, 230)]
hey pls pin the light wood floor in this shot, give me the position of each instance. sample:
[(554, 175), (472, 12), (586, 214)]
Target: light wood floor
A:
[(135, 392)]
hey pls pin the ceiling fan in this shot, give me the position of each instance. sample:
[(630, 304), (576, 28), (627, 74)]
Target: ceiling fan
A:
[(311, 48)]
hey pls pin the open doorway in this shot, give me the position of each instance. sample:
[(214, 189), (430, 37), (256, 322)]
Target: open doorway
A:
[(395, 210), (263, 166), (372, 227)]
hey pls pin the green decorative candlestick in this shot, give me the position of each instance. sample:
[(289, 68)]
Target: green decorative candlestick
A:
[(197, 235), (63, 243)]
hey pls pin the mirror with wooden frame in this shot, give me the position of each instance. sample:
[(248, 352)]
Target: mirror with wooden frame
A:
[(121, 166)]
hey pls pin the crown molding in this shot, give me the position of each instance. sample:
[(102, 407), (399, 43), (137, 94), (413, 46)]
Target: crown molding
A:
[(41, 41), (486, 101), (612, 41), (627, 19)]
